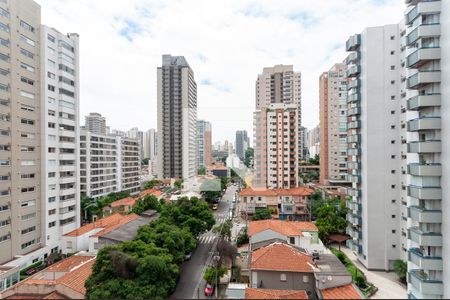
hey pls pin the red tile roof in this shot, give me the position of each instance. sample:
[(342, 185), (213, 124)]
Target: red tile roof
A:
[(130, 201), (257, 192), (348, 291), (55, 295), (68, 264), (251, 293), (155, 192), (102, 223), (287, 228), (281, 257), (299, 191), (122, 221), (75, 280)]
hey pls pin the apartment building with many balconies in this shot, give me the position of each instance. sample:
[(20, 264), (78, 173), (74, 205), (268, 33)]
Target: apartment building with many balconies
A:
[(333, 126), (428, 83), (204, 143), (60, 133), (130, 164)]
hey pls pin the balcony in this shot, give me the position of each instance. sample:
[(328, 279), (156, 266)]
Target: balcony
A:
[(353, 70), (423, 78), (354, 178), (354, 165), (354, 151), (354, 97), (423, 215), (424, 262), (425, 238), (354, 192), (421, 56), (356, 138), (354, 219), (425, 193), (423, 101), (425, 169), (354, 125), (425, 7), (356, 207), (425, 123), (424, 285), (352, 58), (354, 246), (423, 31), (353, 42), (354, 233), (354, 111), (425, 147), (353, 84)]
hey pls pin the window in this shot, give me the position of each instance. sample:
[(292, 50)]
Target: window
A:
[(51, 75), (4, 27), (4, 117), (4, 57), (28, 203), (392, 112), (51, 50), (66, 46), (69, 245), (394, 246), (28, 230), (51, 63), (393, 186), (4, 87), (292, 240), (52, 224), (27, 163), (4, 102), (27, 67), (51, 125), (26, 53), (27, 94), (27, 121), (4, 42), (51, 38), (52, 187), (27, 40), (51, 100), (29, 189), (26, 149), (4, 72), (4, 132), (5, 222), (52, 212), (27, 80), (393, 216), (5, 148), (27, 176), (4, 13), (4, 177), (305, 278), (27, 26), (392, 171), (392, 156), (4, 193), (4, 207), (67, 69), (51, 174), (51, 88), (392, 97), (67, 93), (283, 277), (4, 162), (392, 52), (28, 244), (51, 137), (392, 67), (392, 37), (28, 216), (392, 81), (51, 113), (394, 231), (5, 237)]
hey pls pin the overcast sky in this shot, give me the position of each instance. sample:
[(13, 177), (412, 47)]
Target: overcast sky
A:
[(226, 42)]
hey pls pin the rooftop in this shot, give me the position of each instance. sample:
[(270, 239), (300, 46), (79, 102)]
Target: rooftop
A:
[(329, 264), (75, 280), (125, 201), (281, 257), (99, 224), (66, 265), (129, 230), (299, 191), (287, 228), (348, 291), (251, 293), (155, 192), (121, 222)]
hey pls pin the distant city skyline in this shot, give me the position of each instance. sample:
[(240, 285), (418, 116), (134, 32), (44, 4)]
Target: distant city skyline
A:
[(145, 30)]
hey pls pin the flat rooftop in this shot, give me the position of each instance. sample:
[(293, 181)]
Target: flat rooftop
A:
[(329, 264), (128, 231)]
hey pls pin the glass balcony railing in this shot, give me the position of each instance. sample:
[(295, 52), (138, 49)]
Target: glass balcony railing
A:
[(425, 169), (423, 215), (423, 78), (425, 147), (423, 101), (425, 238), (353, 42), (423, 30), (425, 262), (429, 287), (425, 192), (423, 55), (424, 123)]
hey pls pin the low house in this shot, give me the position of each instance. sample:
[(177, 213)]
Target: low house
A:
[(153, 192), (124, 205), (290, 204), (219, 171), (84, 239), (282, 267), (304, 235), (62, 280), (251, 293)]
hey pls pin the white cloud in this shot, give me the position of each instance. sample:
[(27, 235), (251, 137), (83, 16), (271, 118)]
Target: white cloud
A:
[(227, 43)]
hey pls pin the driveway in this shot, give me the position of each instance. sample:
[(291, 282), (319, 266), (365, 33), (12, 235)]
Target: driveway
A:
[(387, 284)]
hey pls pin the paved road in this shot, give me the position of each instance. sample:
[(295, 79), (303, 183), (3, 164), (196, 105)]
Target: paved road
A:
[(191, 283)]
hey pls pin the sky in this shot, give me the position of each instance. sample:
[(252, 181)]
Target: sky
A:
[(227, 43)]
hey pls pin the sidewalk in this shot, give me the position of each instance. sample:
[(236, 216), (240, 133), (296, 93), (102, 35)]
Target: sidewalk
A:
[(387, 284)]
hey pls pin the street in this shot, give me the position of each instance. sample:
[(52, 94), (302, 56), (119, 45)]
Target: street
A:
[(191, 283)]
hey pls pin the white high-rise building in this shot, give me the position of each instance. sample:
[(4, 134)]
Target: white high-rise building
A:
[(177, 119), (60, 133), (149, 146), (95, 123)]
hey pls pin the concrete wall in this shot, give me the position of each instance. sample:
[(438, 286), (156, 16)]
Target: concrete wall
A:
[(294, 281)]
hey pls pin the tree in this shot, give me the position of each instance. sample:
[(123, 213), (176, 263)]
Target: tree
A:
[(178, 184), (151, 184), (226, 250), (223, 183), (148, 202), (213, 275), (262, 214), (331, 219), (242, 237), (315, 160), (224, 229), (249, 154), (401, 268), (201, 171)]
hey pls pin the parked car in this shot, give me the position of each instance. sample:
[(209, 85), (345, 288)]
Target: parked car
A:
[(209, 290), (215, 206)]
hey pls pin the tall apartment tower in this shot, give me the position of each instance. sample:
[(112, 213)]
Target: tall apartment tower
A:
[(22, 229), (278, 99), (177, 119), (60, 133), (241, 143), (376, 146), (149, 147), (333, 125), (95, 123), (204, 143), (428, 82)]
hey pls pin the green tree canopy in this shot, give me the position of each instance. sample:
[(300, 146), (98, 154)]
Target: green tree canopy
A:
[(262, 214)]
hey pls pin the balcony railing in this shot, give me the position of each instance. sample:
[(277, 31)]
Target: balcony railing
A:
[(423, 215), (425, 147), (352, 58), (425, 169), (353, 70), (424, 30), (423, 7), (356, 138), (354, 97), (432, 288), (423, 78), (423, 55), (423, 101), (424, 262), (425, 193), (353, 42), (425, 238), (424, 123)]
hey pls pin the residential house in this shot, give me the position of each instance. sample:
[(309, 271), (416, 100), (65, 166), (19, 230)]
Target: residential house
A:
[(290, 204), (154, 192), (124, 205), (62, 280), (304, 235), (251, 293)]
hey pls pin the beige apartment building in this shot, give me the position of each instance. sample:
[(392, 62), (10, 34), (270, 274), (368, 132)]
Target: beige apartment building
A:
[(20, 167), (333, 126)]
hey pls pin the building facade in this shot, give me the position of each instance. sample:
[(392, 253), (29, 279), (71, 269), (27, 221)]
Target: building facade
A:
[(241, 143), (95, 123), (333, 126), (177, 119), (129, 164), (60, 133), (149, 145), (204, 143)]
